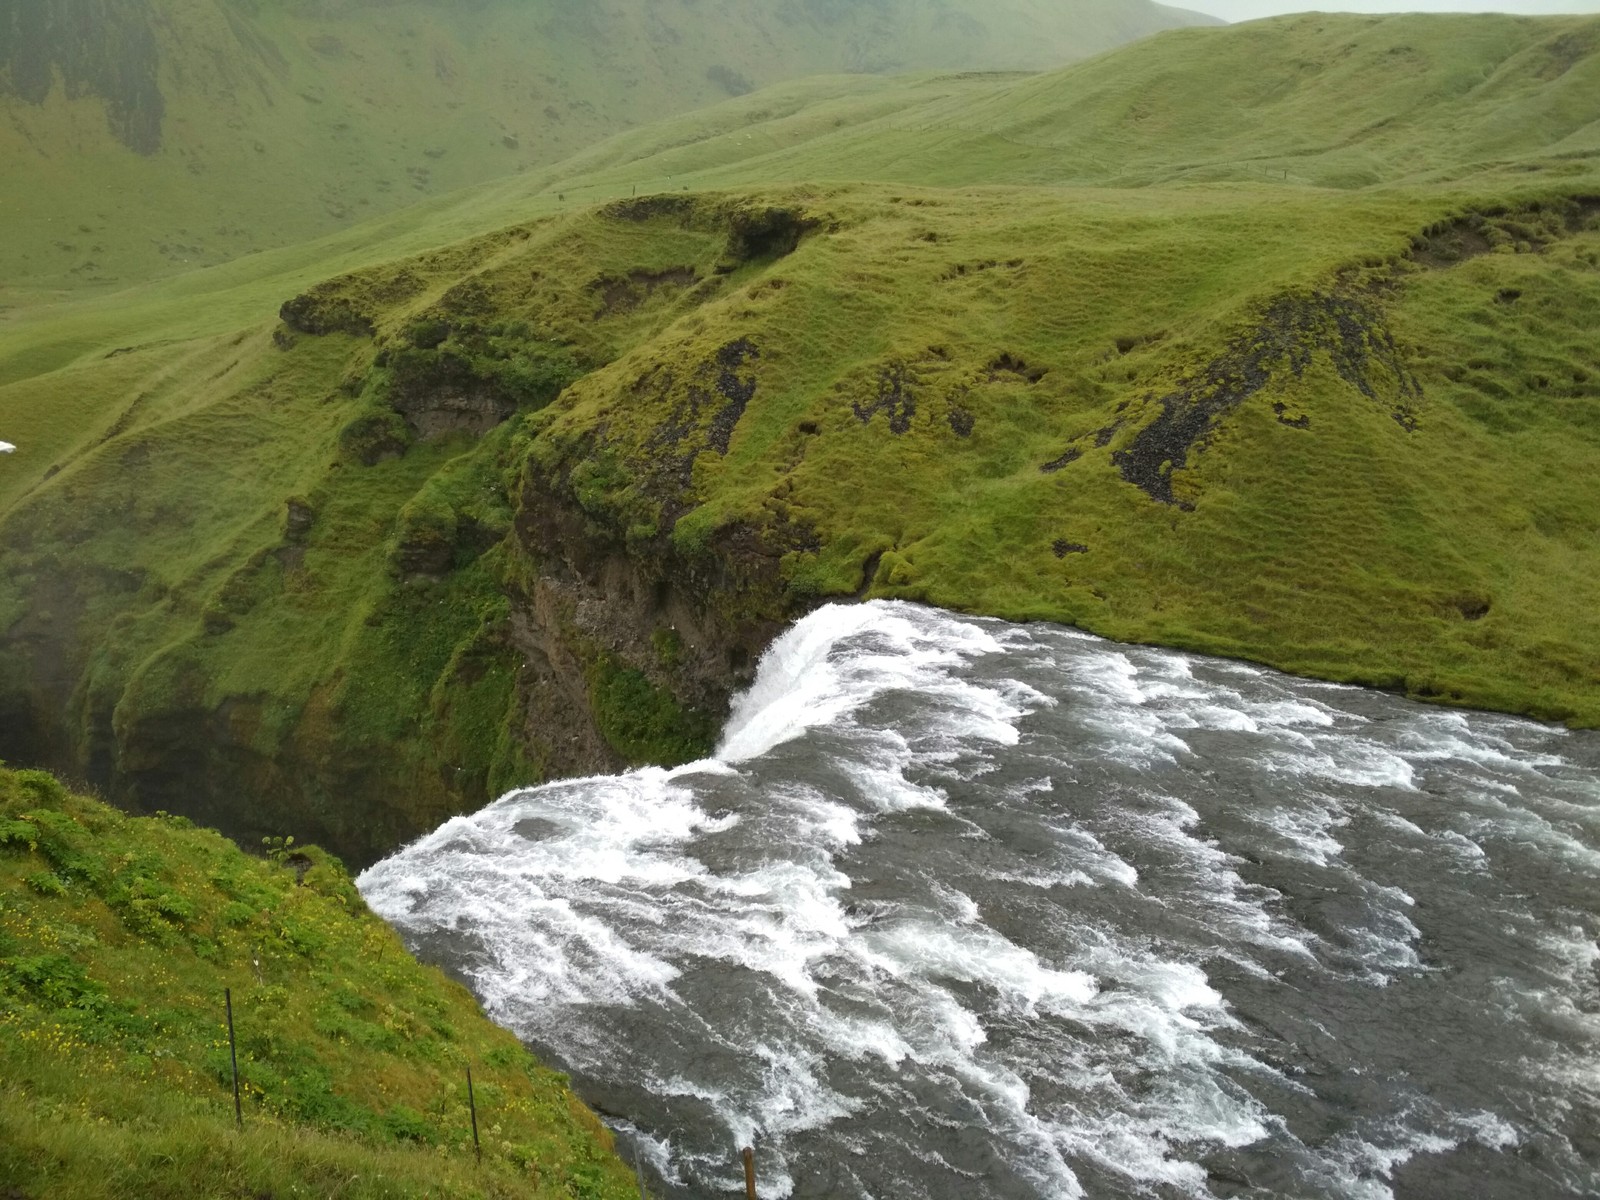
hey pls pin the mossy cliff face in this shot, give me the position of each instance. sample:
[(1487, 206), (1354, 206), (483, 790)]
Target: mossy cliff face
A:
[(411, 601), (616, 598)]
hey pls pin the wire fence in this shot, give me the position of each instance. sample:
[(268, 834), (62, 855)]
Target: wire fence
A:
[(746, 1156)]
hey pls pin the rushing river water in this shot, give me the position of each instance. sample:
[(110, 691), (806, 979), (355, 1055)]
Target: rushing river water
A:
[(968, 909)]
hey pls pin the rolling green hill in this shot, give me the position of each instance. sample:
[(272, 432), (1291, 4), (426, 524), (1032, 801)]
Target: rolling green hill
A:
[(1274, 341), (1323, 101), (117, 940), (143, 138), (1327, 102)]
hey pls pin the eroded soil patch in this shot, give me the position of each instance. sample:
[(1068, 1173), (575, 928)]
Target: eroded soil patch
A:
[(1292, 330), (624, 293), (1524, 230)]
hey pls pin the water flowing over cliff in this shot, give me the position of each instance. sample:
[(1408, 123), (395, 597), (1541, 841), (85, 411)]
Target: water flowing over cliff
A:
[(968, 908)]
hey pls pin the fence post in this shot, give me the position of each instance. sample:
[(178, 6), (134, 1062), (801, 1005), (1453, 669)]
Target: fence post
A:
[(233, 1055), (472, 1105), (749, 1173)]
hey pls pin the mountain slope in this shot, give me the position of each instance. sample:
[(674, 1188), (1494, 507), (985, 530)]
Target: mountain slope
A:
[(142, 138), (1530, 117), (1332, 102), (531, 502), (1324, 101)]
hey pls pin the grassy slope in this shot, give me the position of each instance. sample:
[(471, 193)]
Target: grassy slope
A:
[(1329, 102), (1000, 284), (283, 121), (1453, 559), (117, 938), (1335, 102)]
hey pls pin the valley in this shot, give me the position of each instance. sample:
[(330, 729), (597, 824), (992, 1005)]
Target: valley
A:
[(147, 139)]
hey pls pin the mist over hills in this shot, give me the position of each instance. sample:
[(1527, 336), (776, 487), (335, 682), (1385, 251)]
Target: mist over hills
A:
[(144, 138)]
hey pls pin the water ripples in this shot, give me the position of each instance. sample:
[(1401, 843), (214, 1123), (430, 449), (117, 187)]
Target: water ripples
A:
[(975, 910)]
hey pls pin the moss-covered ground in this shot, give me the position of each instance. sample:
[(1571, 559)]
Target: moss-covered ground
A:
[(962, 397), (118, 939), (1275, 341)]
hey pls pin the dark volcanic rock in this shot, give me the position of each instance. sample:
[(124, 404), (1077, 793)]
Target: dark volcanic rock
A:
[(894, 397), (297, 521), (322, 311), (1294, 328)]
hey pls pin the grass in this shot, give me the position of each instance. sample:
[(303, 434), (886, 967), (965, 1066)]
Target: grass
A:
[(280, 122), (118, 937), (1354, 547), (1077, 347)]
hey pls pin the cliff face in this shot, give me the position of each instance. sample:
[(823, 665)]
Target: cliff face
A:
[(106, 50), (630, 654)]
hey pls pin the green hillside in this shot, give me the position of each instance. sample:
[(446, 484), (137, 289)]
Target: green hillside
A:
[(144, 139), (1321, 101), (117, 940), (1248, 340), (1331, 102)]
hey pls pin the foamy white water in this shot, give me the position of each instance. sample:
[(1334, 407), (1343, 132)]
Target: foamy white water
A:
[(975, 910)]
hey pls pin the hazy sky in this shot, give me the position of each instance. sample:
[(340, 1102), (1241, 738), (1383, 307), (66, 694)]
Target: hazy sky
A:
[(1244, 10)]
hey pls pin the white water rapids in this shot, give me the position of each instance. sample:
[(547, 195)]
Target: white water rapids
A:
[(968, 909)]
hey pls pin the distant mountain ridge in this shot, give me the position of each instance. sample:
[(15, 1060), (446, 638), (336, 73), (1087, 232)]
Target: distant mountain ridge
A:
[(140, 138)]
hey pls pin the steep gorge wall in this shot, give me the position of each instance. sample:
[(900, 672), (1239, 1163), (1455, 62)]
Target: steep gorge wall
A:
[(433, 611)]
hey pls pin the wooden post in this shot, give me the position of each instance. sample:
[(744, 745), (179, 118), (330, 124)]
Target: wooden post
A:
[(749, 1173), (233, 1054), (472, 1104)]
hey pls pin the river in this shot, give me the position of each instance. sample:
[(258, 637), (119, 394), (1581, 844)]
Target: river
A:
[(967, 909)]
